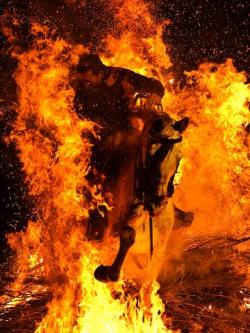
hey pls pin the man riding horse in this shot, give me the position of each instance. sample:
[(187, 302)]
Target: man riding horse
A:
[(136, 136)]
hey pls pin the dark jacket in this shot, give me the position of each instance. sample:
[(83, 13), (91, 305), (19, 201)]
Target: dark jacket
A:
[(108, 102)]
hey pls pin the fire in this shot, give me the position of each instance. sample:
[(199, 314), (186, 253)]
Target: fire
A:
[(55, 157), (216, 164), (55, 151), (53, 146), (138, 43), (92, 307)]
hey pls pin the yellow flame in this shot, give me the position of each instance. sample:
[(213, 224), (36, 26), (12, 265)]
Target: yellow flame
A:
[(55, 156)]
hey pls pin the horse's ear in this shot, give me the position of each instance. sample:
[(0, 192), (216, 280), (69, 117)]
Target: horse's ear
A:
[(181, 125)]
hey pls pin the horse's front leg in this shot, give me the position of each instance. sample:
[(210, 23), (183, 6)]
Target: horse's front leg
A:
[(112, 273)]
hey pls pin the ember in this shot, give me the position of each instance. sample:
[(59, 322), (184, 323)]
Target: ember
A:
[(93, 174)]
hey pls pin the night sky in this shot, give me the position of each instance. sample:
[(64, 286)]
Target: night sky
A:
[(201, 30)]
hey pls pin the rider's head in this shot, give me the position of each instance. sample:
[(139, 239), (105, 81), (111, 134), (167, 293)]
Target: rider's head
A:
[(90, 69)]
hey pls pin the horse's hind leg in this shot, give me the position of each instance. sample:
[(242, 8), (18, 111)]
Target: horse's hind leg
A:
[(112, 273)]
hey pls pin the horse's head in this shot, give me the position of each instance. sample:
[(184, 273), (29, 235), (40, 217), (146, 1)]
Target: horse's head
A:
[(163, 127), (163, 155)]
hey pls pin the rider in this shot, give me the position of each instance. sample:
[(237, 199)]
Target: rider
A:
[(133, 146), (103, 95)]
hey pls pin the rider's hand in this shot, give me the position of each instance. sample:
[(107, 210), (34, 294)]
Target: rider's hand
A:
[(154, 99), (137, 123)]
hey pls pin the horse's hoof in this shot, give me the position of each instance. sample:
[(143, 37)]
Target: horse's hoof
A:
[(104, 274)]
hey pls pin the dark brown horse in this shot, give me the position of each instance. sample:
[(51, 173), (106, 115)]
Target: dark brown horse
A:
[(138, 155), (140, 166)]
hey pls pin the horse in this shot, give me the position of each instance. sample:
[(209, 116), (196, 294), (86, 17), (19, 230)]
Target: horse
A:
[(139, 164)]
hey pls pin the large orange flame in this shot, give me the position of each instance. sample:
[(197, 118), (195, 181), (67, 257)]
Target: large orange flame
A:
[(55, 152), (216, 164)]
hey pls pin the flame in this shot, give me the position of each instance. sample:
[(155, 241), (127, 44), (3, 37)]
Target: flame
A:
[(138, 43), (55, 157), (55, 153), (92, 307), (216, 145), (215, 169)]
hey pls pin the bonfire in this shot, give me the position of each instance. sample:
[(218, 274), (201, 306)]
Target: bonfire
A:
[(186, 268)]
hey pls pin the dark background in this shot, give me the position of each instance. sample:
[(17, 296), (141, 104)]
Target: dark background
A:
[(201, 30)]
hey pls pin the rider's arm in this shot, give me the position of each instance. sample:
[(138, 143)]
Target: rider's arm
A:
[(142, 84)]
